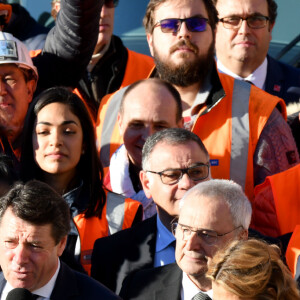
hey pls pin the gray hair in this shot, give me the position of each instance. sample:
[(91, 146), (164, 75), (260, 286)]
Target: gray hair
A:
[(170, 136), (228, 191)]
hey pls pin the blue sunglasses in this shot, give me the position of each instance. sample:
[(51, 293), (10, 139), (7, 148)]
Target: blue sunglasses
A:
[(193, 24)]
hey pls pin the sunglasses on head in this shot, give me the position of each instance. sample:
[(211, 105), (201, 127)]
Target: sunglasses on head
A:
[(193, 24), (111, 3)]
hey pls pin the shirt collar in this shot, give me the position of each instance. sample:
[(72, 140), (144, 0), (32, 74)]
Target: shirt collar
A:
[(189, 289), (164, 237), (258, 77), (45, 291)]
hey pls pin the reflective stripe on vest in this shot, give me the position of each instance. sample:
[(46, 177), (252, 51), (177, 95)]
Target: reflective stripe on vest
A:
[(240, 132), (115, 207), (110, 119)]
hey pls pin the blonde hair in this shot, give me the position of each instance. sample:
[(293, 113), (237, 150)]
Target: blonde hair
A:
[(253, 269)]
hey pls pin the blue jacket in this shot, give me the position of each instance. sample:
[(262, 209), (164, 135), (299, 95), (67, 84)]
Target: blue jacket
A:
[(281, 78)]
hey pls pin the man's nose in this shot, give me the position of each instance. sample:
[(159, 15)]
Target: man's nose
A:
[(186, 182), (21, 255), (3, 90), (193, 242), (244, 28), (183, 31)]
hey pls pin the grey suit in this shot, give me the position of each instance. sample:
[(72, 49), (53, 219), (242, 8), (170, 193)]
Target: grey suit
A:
[(153, 284)]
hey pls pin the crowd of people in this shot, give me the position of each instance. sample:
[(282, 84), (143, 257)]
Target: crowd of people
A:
[(171, 176)]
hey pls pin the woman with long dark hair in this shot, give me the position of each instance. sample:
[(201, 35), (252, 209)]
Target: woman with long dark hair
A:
[(59, 149)]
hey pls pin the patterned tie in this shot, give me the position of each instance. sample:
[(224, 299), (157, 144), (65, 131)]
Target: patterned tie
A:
[(201, 296)]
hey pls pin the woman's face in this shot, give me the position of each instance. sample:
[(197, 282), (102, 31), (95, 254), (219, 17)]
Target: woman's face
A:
[(57, 139)]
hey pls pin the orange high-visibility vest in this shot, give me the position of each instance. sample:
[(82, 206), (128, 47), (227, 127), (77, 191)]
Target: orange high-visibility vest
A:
[(117, 214), (285, 188), (231, 128), (292, 254), (138, 67)]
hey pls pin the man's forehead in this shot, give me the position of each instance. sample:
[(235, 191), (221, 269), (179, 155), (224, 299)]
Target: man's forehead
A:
[(11, 68), (180, 9)]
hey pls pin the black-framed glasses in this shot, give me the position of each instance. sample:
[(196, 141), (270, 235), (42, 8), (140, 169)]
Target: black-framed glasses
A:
[(193, 24), (209, 237), (111, 3), (254, 22), (197, 172)]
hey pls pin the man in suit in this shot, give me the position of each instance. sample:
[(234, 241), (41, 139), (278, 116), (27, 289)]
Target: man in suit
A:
[(34, 224), (212, 214), (242, 42), (173, 161)]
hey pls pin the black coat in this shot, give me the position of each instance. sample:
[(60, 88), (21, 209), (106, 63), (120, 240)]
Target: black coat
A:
[(126, 251)]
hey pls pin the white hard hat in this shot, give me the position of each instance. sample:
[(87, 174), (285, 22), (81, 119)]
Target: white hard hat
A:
[(13, 51)]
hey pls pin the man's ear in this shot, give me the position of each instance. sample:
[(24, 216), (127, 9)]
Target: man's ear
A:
[(180, 123), (243, 235), (61, 245), (119, 119), (31, 86), (150, 43), (145, 183)]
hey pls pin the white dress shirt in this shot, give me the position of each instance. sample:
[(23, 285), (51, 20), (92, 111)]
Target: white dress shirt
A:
[(189, 289), (258, 77), (44, 292)]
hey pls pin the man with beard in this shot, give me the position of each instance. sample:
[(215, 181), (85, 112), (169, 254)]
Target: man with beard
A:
[(245, 134), (212, 213)]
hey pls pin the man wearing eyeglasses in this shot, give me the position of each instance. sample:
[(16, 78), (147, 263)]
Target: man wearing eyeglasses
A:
[(212, 213), (174, 160), (243, 35), (246, 136)]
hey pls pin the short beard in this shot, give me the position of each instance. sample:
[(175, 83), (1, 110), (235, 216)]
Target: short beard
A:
[(189, 72)]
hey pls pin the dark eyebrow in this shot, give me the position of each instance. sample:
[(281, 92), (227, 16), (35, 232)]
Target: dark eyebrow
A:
[(63, 123)]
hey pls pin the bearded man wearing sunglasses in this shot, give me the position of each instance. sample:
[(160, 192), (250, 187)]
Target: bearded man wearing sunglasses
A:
[(242, 42), (246, 136)]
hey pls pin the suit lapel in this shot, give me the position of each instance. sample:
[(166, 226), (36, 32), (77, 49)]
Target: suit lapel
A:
[(274, 83), (170, 287), (140, 256), (65, 285), (2, 283)]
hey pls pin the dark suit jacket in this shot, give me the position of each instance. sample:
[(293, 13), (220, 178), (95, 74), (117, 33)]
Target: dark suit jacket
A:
[(153, 284), (281, 78), (74, 285), (115, 256)]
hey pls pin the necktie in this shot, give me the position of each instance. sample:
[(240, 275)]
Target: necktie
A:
[(201, 296), (34, 296)]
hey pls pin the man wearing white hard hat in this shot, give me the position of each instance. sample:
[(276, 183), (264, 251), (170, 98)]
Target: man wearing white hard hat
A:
[(68, 48)]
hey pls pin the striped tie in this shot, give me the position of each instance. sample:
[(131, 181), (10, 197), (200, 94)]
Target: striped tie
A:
[(201, 296)]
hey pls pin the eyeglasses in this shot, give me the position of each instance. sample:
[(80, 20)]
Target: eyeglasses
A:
[(171, 176), (193, 24), (209, 237), (111, 3), (254, 22)]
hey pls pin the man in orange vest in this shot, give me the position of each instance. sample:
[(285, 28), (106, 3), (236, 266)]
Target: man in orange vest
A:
[(241, 126), (147, 106), (112, 65), (55, 65)]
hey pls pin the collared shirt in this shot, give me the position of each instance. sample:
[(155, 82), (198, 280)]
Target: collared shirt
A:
[(164, 251), (189, 289), (44, 292), (258, 77)]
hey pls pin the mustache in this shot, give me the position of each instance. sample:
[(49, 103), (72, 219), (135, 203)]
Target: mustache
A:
[(184, 42)]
